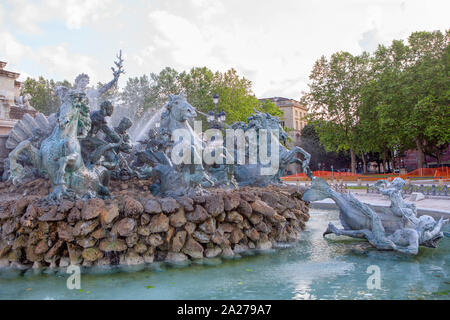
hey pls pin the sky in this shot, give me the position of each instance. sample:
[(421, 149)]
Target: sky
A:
[(273, 43)]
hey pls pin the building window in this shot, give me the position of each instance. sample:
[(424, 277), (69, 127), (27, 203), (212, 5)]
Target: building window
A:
[(296, 124), (282, 123)]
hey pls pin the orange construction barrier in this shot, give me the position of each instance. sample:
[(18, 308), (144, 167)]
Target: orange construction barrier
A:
[(421, 172), (431, 173), (442, 172)]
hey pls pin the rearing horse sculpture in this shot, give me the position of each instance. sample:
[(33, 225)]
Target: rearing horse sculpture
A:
[(60, 153), (250, 174), (175, 117)]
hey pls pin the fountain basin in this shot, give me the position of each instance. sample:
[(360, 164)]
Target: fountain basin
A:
[(312, 268), (136, 228)]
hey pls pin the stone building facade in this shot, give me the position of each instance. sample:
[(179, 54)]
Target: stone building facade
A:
[(12, 105), (294, 118), (294, 115)]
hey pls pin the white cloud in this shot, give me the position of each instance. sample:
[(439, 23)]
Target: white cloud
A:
[(12, 50), (59, 60), (274, 43), (79, 12), (74, 13)]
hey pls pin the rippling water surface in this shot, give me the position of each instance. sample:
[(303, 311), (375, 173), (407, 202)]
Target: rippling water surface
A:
[(315, 268)]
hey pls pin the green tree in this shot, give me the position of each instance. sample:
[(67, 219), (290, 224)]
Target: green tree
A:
[(43, 96), (320, 158), (407, 102), (161, 85), (429, 92), (334, 99), (199, 85)]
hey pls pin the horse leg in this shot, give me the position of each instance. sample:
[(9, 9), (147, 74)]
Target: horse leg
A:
[(69, 158)]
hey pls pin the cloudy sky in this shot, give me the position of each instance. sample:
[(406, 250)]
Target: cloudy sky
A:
[(274, 43)]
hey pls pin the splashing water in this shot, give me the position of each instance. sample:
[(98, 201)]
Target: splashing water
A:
[(149, 120)]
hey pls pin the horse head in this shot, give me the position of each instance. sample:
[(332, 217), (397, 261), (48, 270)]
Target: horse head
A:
[(69, 113), (260, 120), (179, 109)]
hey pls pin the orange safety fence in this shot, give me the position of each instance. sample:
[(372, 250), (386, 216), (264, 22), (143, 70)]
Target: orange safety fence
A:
[(443, 172), (431, 173), (323, 174)]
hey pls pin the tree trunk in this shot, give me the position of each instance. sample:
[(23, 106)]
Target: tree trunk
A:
[(420, 156), (353, 163), (384, 161), (393, 161), (364, 163)]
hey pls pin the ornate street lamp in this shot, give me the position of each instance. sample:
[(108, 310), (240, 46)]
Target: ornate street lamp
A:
[(222, 116), (216, 101), (216, 120), (210, 116)]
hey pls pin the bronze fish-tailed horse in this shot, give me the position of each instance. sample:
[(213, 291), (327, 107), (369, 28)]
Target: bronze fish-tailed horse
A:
[(60, 153)]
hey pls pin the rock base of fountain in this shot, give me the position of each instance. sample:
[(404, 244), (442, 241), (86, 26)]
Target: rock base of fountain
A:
[(136, 228)]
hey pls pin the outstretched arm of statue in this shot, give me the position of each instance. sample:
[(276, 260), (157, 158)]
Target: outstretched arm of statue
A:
[(116, 73), (111, 134), (427, 235), (383, 190)]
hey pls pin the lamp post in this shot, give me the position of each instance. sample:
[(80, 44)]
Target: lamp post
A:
[(216, 101), (216, 120)]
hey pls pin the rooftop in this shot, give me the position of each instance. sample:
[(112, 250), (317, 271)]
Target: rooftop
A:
[(6, 73), (283, 102)]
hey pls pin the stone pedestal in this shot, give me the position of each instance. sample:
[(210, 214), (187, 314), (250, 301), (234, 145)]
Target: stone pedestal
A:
[(137, 228)]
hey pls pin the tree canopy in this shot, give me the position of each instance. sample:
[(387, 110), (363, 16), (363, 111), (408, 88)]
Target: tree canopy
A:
[(386, 102), (44, 98), (199, 85)]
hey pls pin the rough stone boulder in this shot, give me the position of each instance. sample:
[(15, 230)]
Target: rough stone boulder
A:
[(198, 215), (110, 213), (136, 227), (169, 205), (176, 257), (111, 245), (214, 204), (231, 201), (92, 209), (193, 249), (124, 227), (159, 223), (92, 254), (178, 241), (261, 207), (152, 207), (178, 219), (132, 207)]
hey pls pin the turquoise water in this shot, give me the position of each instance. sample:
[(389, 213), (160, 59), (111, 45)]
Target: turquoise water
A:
[(315, 268)]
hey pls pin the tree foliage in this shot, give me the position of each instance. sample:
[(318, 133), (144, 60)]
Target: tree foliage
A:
[(43, 98), (334, 100), (199, 85), (387, 102), (320, 158)]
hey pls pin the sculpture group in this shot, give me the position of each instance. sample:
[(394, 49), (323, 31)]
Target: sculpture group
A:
[(79, 152), (396, 228)]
